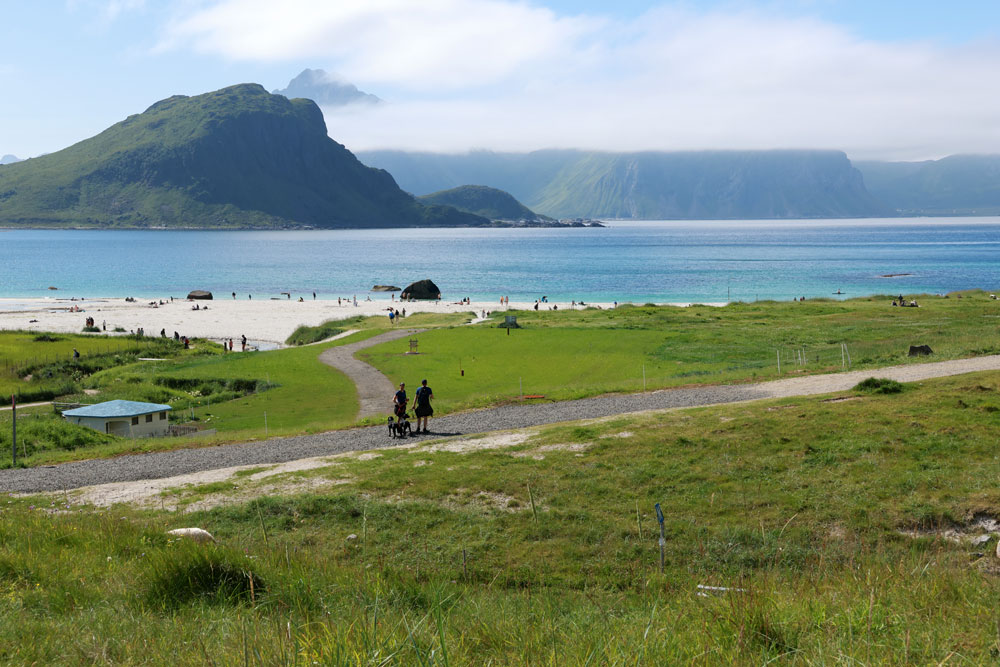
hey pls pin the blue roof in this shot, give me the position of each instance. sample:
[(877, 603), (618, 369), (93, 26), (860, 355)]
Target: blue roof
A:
[(116, 409)]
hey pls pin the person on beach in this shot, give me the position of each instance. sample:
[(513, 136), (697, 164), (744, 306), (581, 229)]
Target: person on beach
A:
[(243, 342), (422, 405), (399, 401), (234, 296), (76, 354), (392, 316)]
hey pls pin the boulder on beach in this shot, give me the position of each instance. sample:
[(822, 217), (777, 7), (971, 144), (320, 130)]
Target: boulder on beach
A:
[(385, 288), (422, 289), (200, 294)]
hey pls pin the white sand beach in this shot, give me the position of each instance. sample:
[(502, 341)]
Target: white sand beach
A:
[(267, 321)]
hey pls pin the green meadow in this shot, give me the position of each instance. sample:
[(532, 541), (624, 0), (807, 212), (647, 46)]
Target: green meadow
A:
[(573, 354), (556, 354), (836, 530)]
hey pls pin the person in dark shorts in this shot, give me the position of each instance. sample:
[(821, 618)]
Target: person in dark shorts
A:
[(422, 405), (399, 401)]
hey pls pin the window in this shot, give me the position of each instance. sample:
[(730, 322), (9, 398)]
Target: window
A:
[(135, 421), (163, 415), (149, 418)]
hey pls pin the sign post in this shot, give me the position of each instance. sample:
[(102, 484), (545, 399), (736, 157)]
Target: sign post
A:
[(663, 539)]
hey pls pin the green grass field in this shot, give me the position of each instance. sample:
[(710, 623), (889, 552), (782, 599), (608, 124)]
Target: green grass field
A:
[(825, 516), (559, 355), (571, 354), (297, 392)]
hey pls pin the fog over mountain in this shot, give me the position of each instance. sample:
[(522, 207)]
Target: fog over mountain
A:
[(325, 90)]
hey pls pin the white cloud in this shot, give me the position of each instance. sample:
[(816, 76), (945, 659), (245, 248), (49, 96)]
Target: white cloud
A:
[(511, 76)]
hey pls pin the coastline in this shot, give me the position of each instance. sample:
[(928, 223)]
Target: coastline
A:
[(264, 321)]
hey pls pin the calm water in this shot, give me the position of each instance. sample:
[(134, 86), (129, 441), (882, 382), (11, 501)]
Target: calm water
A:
[(627, 261)]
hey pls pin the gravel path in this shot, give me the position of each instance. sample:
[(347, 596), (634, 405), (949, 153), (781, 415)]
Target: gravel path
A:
[(374, 389), (280, 450)]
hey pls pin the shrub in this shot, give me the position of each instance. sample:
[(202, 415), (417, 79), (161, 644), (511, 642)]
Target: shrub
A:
[(46, 338), (92, 329), (879, 386), (193, 573), (305, 335)]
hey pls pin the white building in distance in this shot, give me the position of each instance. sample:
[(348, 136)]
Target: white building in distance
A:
[(128, 419)]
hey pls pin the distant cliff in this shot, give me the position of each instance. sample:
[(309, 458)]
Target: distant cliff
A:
[(238, 157), (651, 185), (955, 185)]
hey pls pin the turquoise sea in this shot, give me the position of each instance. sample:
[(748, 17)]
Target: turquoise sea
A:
[(689, 261)]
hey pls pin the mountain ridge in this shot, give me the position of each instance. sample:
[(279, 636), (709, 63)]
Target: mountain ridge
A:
[(652, 184)]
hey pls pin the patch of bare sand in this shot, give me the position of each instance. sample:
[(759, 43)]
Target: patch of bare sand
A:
[(492, 441), (149, 492)]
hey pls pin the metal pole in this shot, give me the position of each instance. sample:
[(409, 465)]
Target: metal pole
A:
[(13, 411), (778, 352), (265, 424), (644, 377), (663, 539)]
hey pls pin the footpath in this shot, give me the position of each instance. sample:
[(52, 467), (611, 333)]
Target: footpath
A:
[(160, 465)]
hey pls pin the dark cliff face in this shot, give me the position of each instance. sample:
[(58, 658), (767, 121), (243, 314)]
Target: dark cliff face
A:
[(237, 157)]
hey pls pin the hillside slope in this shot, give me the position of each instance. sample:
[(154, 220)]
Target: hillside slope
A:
[(482, 200), (234, 158)]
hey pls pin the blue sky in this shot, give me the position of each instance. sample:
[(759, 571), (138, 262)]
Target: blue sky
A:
[(878, 79)]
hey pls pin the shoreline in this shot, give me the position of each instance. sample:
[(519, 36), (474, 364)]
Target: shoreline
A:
[(267, 323)]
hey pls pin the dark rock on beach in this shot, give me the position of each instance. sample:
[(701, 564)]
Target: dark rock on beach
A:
[(200, 294), (385, 288), (422, 289)]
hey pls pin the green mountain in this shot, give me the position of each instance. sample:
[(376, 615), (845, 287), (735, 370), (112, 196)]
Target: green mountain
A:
[(651, 185), (955, 185), (235, 158), (482, 200)]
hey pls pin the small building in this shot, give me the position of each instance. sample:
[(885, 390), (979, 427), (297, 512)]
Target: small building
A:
[(128, 419)]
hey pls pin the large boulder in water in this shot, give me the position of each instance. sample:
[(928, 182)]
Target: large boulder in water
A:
[(422, 289), (200, 294)]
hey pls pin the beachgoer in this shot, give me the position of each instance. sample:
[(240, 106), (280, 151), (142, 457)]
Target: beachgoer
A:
[(243, 342), (230, 344), (314, 296), (104, 325), (536, 304), (187, 345), (338, 300), (404, 312), (399, 401), (177, 336), (422, 405), (76, 354), (234, 296), (163, 333), (249, 297), (392, 316)]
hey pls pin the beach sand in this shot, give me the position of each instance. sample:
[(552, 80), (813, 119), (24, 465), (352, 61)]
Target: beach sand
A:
[(268, 322)]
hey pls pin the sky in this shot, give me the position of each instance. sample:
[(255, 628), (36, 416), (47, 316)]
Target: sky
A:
[(878, 79)]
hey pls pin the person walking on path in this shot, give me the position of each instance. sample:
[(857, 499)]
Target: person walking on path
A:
[(422, 405), (399, 401)]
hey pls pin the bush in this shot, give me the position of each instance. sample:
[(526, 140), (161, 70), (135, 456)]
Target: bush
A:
[(92, 329), (193, 573), (879, 386), (305, 335), (46, 338)]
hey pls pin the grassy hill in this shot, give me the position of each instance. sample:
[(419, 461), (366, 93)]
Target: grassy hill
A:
[(484, 201), (234, 158)]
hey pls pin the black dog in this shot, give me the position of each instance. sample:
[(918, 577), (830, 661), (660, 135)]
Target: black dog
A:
[(400, 428)]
